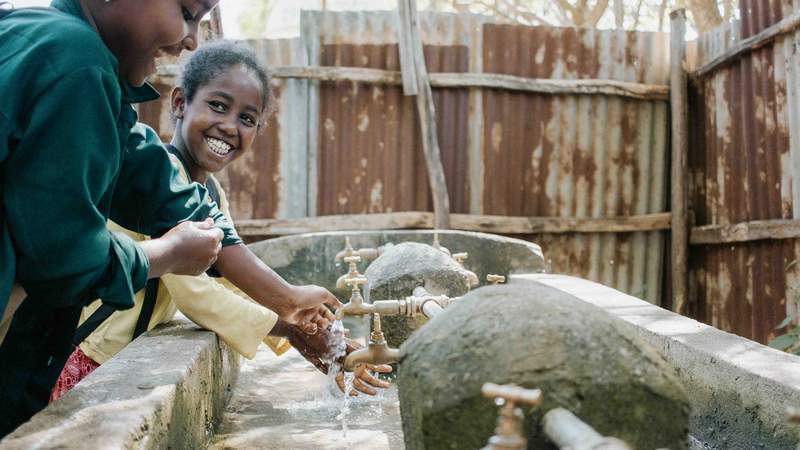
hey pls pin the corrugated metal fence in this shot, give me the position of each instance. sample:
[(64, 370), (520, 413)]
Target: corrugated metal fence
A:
[(744, 159), (348, 147)]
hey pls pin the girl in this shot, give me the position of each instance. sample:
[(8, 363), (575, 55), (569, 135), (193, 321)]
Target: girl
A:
[(220, 105), (71, 157)]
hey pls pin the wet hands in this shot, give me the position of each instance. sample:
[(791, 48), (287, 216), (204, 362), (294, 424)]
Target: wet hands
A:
[(316, 348)]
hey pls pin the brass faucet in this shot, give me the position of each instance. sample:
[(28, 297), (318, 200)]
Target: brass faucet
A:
[(364, 253), (471, 276), (356, 305), (352, 272), (377, 352), (508, 433), (495, 279), (421, 302)]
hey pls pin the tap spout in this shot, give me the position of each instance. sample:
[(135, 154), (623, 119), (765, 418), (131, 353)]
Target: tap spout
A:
[(377, 352)]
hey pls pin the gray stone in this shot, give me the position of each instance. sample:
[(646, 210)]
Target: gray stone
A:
[(396, 273), (582, 358), (167, 389)]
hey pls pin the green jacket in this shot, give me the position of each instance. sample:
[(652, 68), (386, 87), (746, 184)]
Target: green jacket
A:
[(72, 156)]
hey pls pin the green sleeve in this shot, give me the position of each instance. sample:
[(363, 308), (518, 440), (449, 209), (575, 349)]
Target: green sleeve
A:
[(63, 168), (151, 197)]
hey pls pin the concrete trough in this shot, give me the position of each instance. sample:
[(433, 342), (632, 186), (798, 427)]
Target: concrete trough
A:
[(739, 389), (167, 389)]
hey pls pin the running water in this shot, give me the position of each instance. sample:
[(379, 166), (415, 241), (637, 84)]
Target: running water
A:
[(338, 349)]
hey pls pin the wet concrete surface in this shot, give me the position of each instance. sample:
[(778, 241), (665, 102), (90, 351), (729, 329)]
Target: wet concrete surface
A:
[(283, 402)]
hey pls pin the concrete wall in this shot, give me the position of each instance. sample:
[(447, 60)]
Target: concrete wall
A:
[(167, 389)]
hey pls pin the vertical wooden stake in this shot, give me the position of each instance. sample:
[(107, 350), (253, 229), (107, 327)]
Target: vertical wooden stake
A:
[(680, 148), (427, 112)]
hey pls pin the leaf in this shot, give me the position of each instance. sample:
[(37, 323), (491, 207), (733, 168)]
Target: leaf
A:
[(784, 341), (786, 322)]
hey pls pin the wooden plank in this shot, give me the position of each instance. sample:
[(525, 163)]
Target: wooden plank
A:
[(556, 87), (559, 225), (655, 92), (746, 231), (466, 222), (427, 117), (329, 73), (407, 66), (679, 252), (763, 38)]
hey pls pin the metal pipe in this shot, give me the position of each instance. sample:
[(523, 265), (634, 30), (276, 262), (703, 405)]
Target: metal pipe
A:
[(430, 308), (567, 431)]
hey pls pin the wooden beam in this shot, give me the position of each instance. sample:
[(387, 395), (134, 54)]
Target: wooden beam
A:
[(466, 222), (763, 38), (640, 91), (559, 225), (406, 44), (547, 86), (427, 115), (329, 73), (679, 237), (746, 231)]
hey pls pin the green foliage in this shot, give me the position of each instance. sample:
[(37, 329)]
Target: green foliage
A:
[(789, 341)]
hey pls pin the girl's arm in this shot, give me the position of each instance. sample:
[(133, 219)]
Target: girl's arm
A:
[(294, 304)]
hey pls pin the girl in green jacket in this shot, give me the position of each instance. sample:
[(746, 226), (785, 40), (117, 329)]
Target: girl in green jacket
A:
[(71, 157)]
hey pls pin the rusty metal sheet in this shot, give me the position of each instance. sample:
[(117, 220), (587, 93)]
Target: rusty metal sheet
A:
[(370, 151), (744, 164), (580, 156), (369, 39)]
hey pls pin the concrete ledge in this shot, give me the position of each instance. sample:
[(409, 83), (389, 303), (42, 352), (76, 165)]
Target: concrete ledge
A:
[(739, 389), (167, 389)]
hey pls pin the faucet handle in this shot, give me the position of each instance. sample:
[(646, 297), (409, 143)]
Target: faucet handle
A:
[(352, 259), (512, 393), (495, 279), (460, 257), (356, 282)]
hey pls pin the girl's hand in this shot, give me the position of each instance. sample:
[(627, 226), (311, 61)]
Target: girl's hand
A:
[(364, 379), (316, 348), (189, 248), (306, 308)]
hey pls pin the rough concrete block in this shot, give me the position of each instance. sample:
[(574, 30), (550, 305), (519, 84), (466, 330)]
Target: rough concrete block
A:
[(166, 390), (582, 358), (396, 273)]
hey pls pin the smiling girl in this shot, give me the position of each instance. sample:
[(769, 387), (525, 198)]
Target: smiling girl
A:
[(72, 156), (220, 106)]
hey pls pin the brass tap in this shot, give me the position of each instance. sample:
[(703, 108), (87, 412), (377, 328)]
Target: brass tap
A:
[(460, 257), (352, 272), (377, 352), (495, 279), (364, 253), (508, 433), (471, 276), (356, 305)]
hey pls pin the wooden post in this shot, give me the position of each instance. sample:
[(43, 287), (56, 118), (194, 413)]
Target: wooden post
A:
[(427, 113), (680, 146)]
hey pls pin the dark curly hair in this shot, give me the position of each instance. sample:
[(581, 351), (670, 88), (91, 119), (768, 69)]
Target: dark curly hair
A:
[(217, 57)]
